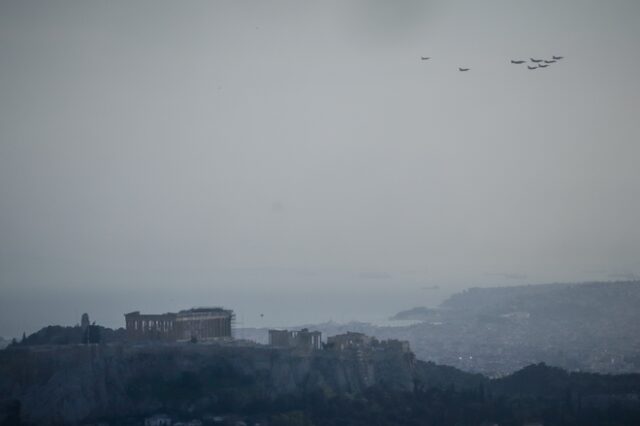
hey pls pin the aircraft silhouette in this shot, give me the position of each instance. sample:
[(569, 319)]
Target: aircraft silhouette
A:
[(517, 62), (463, 69), (550, 62), (542, 66), (535, 60), (424, 58), (557, 58), (531, 68)]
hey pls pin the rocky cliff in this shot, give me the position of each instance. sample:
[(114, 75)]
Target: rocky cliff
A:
[(75, 383)]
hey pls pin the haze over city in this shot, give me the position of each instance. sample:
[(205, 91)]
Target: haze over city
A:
[(300, 161)]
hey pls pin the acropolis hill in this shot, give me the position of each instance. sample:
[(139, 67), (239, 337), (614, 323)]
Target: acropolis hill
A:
[(73, 383)]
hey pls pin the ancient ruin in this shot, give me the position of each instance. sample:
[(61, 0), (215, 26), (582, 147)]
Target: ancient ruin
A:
[(302, 339), (351, 341), (196, 324)]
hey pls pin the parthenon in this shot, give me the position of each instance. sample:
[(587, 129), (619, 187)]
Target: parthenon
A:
[(196, 323)]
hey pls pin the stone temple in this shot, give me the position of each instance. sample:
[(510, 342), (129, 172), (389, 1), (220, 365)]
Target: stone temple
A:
[(299, 339), (201, 324)]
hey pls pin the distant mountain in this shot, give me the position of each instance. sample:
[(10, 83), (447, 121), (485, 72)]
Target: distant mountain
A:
[(417, 314), (571, 302), (588, 326)]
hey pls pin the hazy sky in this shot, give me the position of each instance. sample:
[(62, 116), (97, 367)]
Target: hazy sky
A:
[(298, 159)]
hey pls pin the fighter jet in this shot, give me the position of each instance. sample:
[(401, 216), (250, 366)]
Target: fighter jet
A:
[(424, 58), (542, 66), (550, 62), (535, 60), (517, 62), (531, 68), (557, 58), (463, 69)]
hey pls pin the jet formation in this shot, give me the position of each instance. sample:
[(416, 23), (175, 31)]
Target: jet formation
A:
[(539, 63), (542, 63), (533, 63)]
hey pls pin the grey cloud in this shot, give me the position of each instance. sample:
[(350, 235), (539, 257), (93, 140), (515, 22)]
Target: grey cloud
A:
[(157, 155)]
